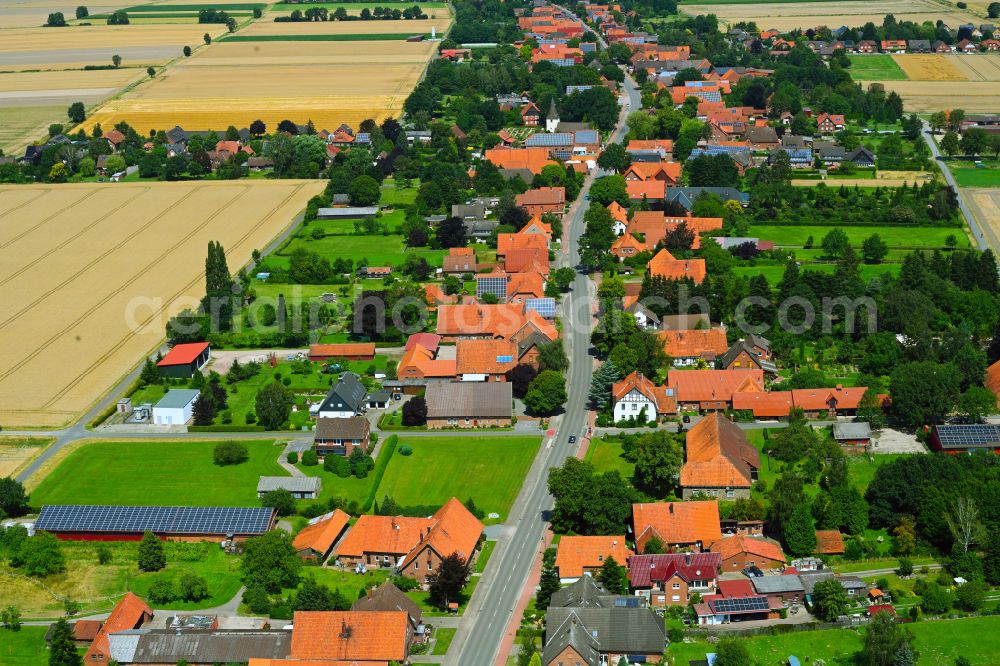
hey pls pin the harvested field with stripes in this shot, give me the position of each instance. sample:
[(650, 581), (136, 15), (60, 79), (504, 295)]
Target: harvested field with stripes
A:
[(944, 81), (416, 27), (92, 272)]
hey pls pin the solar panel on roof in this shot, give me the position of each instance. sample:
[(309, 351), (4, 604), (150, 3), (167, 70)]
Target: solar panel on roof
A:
[(159, 519), (545, 140), (543, 306), (968, 435), (505, 358), (740, 605)]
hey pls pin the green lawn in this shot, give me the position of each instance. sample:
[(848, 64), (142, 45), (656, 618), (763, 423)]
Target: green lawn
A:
[(488, 469), (349, 583), (25, 647), (862, 471), (875, 67), (485, 552), (442, 640), (937, 643), (374, 37), (379, 250), (895, 237), (179, 473), (220, 571), (396, 196), (967, 175), (605, 454), (774, 273), (195, 8)]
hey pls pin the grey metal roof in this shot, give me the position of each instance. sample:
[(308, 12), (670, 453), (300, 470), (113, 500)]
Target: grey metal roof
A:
[(355, 427), (856, 430), (199, 646), (347, 395), (295, 484), (571, 633), (122, 644), (775, 584), (618, 630), (348, 211), (177, 399), (469, 400), (584, 593), (388, 597)]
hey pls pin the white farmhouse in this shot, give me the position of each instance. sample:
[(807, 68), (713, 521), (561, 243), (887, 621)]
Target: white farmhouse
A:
[(635, 393)]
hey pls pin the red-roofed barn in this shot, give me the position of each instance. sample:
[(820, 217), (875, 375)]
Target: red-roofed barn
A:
[(184, 360)]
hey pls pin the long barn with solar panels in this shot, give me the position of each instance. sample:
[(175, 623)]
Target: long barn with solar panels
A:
[(965, 438), (174, 523)]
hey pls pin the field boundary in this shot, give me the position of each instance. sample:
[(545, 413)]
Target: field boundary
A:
[(357, 37)]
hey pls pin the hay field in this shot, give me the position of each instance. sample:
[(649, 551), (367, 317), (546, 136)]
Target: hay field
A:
[(790, 15), (91, 272), (985, 206), (28, 13), (17, 452), (946, 81), (929, 67), (19, 125), (422, 26), (320, 53), (78, 46)]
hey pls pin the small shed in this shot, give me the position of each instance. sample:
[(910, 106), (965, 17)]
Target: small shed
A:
[(347, 213), (184, 359), (301, 487), (852, 434), (176, 407)]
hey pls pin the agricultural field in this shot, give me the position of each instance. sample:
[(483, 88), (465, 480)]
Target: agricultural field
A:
[(33, 13), (791, 15), (291, 30), (933, 82), (488, 469), (17, 452), (895, 237), (968, 175), (172, 473), (875, 67), (985, 205), (320, 53), (73, 269), (25, 647), (77, 46), (19, 125)]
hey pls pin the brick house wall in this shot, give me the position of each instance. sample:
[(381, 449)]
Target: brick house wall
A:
[(721, 493), (741, 561), (467, 423), (325, 448), (743, 361)]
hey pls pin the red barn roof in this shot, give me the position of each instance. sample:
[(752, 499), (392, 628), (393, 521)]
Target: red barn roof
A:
[(183, 354)]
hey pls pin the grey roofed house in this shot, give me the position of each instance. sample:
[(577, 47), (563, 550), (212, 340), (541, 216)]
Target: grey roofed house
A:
[(743, 346), (480, 228), (348, 395), (919, 45), (346, 213), (379, 397), (852, 584), (489, 400), (388, 597), (572, 128), (686, 196), (627, 631), (861, 156), (832, 153), (293, 484), (794, 141), (166, 646), (686, 322), (470, 211), (575, 635), (586, 592), (855, 430), (353, 428), (759, 341), (523, 174), (761, 135), (639, 308), (177, 398), (777, 584)]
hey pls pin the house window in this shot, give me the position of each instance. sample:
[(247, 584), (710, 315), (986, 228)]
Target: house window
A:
[(677, 586), (635, 407), (676, 597), (730, 493)]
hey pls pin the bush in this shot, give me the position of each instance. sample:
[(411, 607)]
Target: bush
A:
[(338, 465), (405, 583), (230, 453), (257, 600), (309, 458), (161, 592), (280, 500), (103, 554), (405, 450), (191, 587), (293, 457)]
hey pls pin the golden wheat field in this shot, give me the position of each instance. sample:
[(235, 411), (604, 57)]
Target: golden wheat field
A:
[(320, 53), (422, 26), (27, 13), (89, 274), (985, 205), (94, 36), (983, 67), (929, 67), (790, 15)]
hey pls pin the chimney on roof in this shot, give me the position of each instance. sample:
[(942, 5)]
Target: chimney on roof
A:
[(687, 559), (671, 505)]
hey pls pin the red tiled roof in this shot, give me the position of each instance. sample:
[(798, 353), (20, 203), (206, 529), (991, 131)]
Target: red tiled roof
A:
[(740, 587), (644, 569), (393, 535), (764, 405), (813, 400), (373, 635), (321, 535), (992, 380), (652, 190), (455, 530), (86, 630), (542, 196), (704, 342), (664, 265), (579, 553), (499, 320), (678, 522), (183, 354), (532, 159), (510, 242), (342, 349), (650, 144), (664, 399), (428, 341), (713, 385), (732, 546), (718, 455), (127, 614), (829, 542), (419, 362), (488, 357)]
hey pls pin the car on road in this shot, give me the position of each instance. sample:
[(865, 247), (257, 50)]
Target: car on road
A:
[(572, 439), (587, 196)]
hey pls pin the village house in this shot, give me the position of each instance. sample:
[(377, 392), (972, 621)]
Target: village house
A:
[(129, 613), (602, 636), (712, 390), (315, 540), (828, 123), (636, 396), (670, 579), (469, 405), (484, 360), (349, 351), (692, 525), (585, 555), (688, 348), (531, 116), (743, 354), (736, 601), (412, 546), (345, 399), (742, 552), (785, 589), (838, 401), (419, 362), (719, 461), (460, 261), (387, 597), (300, 487), (543, 200), (341, 436), (664, 265), (363, 637), (513, 321)]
